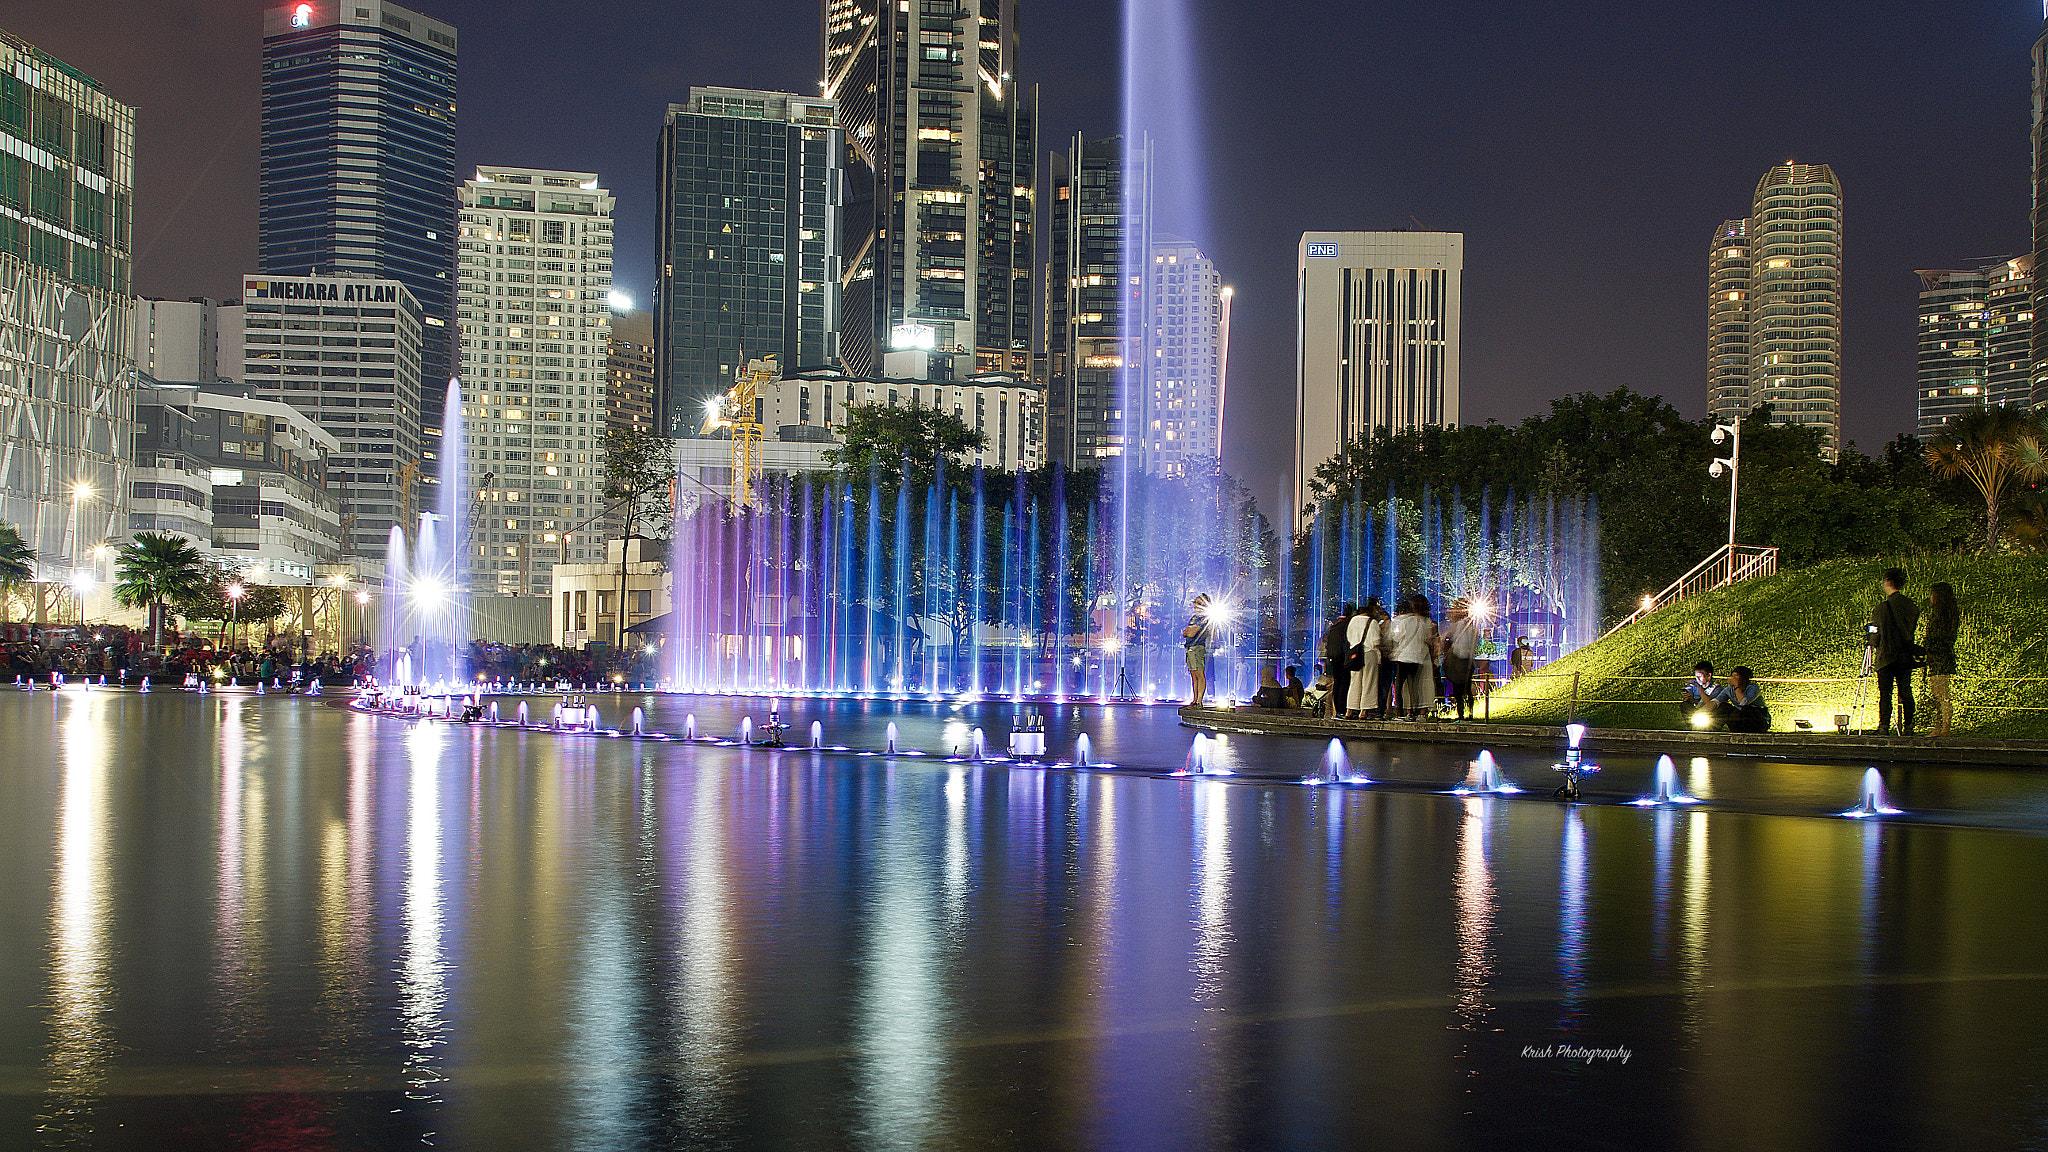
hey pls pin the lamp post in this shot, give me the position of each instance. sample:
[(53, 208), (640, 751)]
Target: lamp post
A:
[(235, 594), (1724, 434)]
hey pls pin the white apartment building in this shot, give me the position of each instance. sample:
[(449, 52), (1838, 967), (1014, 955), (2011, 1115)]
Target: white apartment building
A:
[(533, 281), (196, 339), (1377, 338), (1182, 423), (346, 352)]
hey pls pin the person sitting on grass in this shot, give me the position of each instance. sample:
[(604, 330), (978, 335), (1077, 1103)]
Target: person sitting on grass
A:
[(1696, 701), (1740, 704)]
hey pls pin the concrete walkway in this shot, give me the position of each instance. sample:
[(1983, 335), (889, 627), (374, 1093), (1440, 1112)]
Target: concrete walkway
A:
[(1778, 745)]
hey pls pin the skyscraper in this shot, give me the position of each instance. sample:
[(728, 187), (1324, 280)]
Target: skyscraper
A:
[(1976, 329), (532, 302), (1181, 425), (1781, 322), (1377, 340), (938, 218), (629, 374), (2038, 368), (1094, 185), (358, 161), (1728, 322), (67, 400), (748, 243)]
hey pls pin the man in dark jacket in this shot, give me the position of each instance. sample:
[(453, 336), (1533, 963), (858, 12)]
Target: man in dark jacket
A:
[(1337, 658), (1891, 641)]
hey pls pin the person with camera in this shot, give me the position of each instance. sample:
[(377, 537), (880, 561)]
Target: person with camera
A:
[(1893, 655), (1195, 638), (1698, 698)]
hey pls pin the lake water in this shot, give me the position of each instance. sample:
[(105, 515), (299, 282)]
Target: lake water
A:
[(234, 921)]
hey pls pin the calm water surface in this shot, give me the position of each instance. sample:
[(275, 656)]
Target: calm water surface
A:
[(241, 922)]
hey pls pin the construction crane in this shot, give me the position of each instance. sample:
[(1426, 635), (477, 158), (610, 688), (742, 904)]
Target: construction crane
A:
[(743, 412)]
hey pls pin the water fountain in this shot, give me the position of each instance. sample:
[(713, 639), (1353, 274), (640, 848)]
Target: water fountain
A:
[(977, 747), (1874, 801), (746, 729), (690, 726), (639, 723), (1668, 789), (1337, 768), (492, 712), (522, 714), (817, 735), (1485, 779), (1084, 753), (890, 747)]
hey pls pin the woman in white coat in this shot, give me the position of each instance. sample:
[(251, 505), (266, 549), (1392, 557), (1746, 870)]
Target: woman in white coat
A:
[(1362, 648), (1414, 664)]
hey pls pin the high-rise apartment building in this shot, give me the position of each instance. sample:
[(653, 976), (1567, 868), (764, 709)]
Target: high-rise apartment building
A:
[(940, 162), (2038, 368), (347, 353), (629, 374), (357, 171), (1098, 215), (532, 300), (748, 242), (1181, 425), (1976, 332), (1781, 322), (67, 397), (1377, 343), (1728, 322)]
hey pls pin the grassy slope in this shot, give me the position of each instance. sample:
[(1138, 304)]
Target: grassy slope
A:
[(1809, 623)]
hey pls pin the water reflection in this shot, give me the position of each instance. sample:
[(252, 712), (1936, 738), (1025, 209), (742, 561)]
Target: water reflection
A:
[(1571, 928), (707, 1034), (904, 1002), (1475, 897), (422, 981), (81, 990)]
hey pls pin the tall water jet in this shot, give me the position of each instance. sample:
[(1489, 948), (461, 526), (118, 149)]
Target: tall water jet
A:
[(746, 729), (690, 726), (1084, 752), (817, 735), (1668, 790), (890, 748), (1874, 801), (977, 748)]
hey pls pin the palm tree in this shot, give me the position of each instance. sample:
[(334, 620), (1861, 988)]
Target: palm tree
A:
[(17, 564), (1996, 448), (153, 569)]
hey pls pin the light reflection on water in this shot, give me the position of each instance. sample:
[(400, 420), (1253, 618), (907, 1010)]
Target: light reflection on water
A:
[(486, 938)]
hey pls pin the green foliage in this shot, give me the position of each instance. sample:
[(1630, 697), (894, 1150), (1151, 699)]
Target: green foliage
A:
[(636, 465), (1808, 625), (210, 601), (17, 559), (1998, 449), (154, 569), (884, 436), (1660, 510)]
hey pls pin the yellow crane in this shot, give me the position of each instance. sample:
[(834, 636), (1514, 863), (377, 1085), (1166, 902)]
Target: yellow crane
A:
[(743, 412)]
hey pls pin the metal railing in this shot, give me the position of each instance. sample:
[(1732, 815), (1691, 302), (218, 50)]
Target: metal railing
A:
[(1726, 565)]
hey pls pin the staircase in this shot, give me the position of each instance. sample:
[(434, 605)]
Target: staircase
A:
[(1726, 565)]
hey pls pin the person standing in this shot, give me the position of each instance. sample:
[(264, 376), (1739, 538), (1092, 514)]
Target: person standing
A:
[(1337, 659), (1414, 667), (1893, 652), (1363, 651), (1522, 660), (1944, 621), (1460, 646), (1195, 638)]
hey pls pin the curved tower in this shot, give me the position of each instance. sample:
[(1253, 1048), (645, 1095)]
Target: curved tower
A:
[(1795, 315)]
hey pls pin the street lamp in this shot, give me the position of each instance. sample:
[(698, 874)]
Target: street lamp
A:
[(1723, 434), (235, 594)]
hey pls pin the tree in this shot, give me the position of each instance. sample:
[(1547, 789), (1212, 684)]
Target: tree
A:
[(17, 564), (154, 569), (637, 463), (210, 600), (1997, 449), (885, 436)]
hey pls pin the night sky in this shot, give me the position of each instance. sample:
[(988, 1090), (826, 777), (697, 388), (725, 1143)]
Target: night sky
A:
[(1586, 151)]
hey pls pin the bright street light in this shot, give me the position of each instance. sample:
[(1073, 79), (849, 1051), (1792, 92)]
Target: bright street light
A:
[(236, 591), (362, 597), (82, 490)]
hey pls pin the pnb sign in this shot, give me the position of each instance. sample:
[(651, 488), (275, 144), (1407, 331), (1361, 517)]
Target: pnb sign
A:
[(1322, 248), (339, 291)]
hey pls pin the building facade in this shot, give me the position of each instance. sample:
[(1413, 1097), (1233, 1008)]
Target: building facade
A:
[(357, 169), (533, 305), (629, 374), (2037, 369), (196, 339), (939, 212), (67, 389), (1377, 340), (1728, 322), (1788, 308), (748, 242), (245, 479), (1976, 335), (1098, 223), (810, 407), (345, 352), (1181, 426)]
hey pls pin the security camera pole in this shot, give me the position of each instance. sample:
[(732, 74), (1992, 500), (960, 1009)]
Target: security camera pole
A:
[(1723, 433)]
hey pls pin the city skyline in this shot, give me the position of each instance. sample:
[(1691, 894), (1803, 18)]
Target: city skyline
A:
[(1633, 240)]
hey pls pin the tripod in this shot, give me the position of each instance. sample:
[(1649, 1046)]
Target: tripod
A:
[(1862, 679)]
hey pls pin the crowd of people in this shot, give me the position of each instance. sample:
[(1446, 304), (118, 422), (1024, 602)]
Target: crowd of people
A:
[(1398, 665)]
